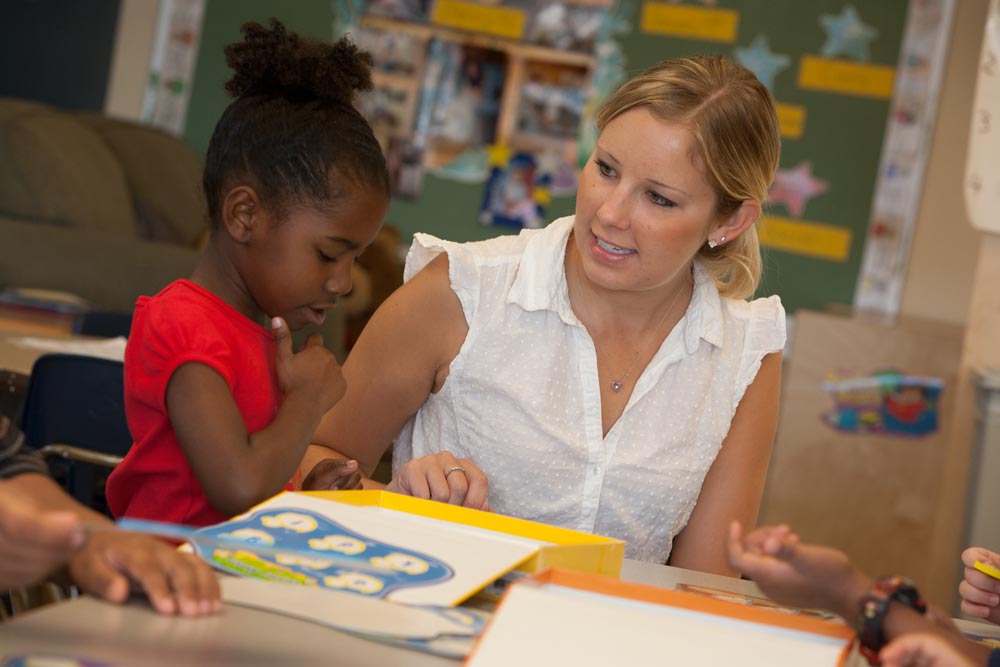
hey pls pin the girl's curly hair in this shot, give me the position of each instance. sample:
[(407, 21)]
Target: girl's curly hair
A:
[(292, 131)]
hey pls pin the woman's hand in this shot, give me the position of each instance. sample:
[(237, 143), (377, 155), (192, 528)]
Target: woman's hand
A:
[(980, 592), (444, 478)]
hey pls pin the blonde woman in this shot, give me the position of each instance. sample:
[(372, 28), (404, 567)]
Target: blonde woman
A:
[(606, 373)]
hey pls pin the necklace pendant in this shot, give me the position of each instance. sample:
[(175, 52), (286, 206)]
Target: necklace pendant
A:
[(616, 385)]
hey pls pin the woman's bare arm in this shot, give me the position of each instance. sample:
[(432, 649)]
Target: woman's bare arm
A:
[(733, 487)]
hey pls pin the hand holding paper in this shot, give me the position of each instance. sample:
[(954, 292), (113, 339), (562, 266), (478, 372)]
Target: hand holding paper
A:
[(980, 590)]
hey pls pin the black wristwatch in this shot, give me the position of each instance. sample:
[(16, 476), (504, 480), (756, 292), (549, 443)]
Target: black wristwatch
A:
[(873, 607)]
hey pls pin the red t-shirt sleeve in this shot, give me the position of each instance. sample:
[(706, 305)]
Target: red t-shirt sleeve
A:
[(171, 339)]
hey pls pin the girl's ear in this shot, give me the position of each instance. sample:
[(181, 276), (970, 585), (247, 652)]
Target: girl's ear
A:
[(241, 211), (732, 226)]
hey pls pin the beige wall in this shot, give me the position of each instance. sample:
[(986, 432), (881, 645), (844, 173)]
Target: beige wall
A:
[(945, 247), (134, 37)]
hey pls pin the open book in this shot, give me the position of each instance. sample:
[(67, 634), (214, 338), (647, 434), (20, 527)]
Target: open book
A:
[(382, 545)]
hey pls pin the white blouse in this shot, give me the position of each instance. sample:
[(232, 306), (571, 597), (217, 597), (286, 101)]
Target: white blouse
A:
[(522, 397)]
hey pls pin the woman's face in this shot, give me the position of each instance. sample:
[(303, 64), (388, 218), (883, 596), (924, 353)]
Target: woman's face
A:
[(644, 205)]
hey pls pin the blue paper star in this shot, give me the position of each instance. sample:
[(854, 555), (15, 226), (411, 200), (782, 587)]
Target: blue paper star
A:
[(759, 59), (846, 34)]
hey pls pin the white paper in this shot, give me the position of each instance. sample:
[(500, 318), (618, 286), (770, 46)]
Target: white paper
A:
[(105, 348), (343, 611), (555, 625)]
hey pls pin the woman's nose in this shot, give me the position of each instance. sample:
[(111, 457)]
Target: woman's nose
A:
[(613, 211)]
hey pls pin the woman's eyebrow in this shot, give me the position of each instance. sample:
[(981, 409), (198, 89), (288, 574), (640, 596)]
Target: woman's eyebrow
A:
[(668, 187)]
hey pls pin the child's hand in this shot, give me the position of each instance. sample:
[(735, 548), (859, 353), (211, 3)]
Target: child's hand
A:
[(333, 474), (444, 478), (980, 592), (175, 582), (313, 372), (927, 650), (802, 575), (34, 543)]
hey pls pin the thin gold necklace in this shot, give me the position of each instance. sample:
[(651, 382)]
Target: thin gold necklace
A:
[(618, 385)]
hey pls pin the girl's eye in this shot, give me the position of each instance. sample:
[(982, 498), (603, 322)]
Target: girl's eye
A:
[(660, 200), (604, 167), (323, 257)]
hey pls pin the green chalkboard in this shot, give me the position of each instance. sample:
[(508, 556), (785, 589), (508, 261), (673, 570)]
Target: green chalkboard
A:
[(221, 26), (842, 137)]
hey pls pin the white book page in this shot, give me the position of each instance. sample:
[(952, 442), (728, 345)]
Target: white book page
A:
[(554, 625)]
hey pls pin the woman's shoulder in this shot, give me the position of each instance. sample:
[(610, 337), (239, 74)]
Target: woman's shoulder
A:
[(761, 310), (494, 251), (759, 323)]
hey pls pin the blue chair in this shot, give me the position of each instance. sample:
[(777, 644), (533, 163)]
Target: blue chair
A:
[(74, 414), (102, 323)]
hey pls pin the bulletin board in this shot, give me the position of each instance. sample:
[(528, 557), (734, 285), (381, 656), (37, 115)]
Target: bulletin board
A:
[(834, 68)]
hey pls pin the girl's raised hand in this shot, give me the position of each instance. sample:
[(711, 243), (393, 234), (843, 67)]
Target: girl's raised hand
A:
[(980, 592), (312, 372)]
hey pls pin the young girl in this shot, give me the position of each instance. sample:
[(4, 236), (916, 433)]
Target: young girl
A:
[(220, 406)]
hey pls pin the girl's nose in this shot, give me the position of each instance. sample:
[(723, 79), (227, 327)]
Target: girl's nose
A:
[(339, 282)]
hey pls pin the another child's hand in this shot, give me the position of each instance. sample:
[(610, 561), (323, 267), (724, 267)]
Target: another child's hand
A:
[(333, 474), (926, 650), (444, 478), (801, 575), (980, 592), (34, 543), (312, 372), (175, 582)]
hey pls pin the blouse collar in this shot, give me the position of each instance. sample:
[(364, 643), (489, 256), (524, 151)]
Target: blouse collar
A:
[(540, 284)]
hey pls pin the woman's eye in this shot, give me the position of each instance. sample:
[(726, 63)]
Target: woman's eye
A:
[(323, 257), (605, 168), (660, 200)]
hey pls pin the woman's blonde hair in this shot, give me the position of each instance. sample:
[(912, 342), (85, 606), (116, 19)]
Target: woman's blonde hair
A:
[(731, 115)]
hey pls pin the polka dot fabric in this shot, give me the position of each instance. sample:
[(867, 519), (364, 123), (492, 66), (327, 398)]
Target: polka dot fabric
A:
[(522, 398)]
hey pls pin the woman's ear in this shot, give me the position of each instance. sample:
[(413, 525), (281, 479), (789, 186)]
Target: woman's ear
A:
[(734, 225), (241, 211)]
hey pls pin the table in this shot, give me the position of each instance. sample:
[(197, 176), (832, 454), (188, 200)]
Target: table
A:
[(133, 635), (18, 358)]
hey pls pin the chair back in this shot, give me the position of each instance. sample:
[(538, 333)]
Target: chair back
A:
[(74, 413)]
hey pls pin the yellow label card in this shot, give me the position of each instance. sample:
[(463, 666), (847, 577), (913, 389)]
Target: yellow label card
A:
[(846, 77), (715, 25), (791, 120), (500, 21), (805, 238), (987, 569)]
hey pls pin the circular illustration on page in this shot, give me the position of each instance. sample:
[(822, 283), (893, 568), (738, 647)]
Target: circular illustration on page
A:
[(299, 546)]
